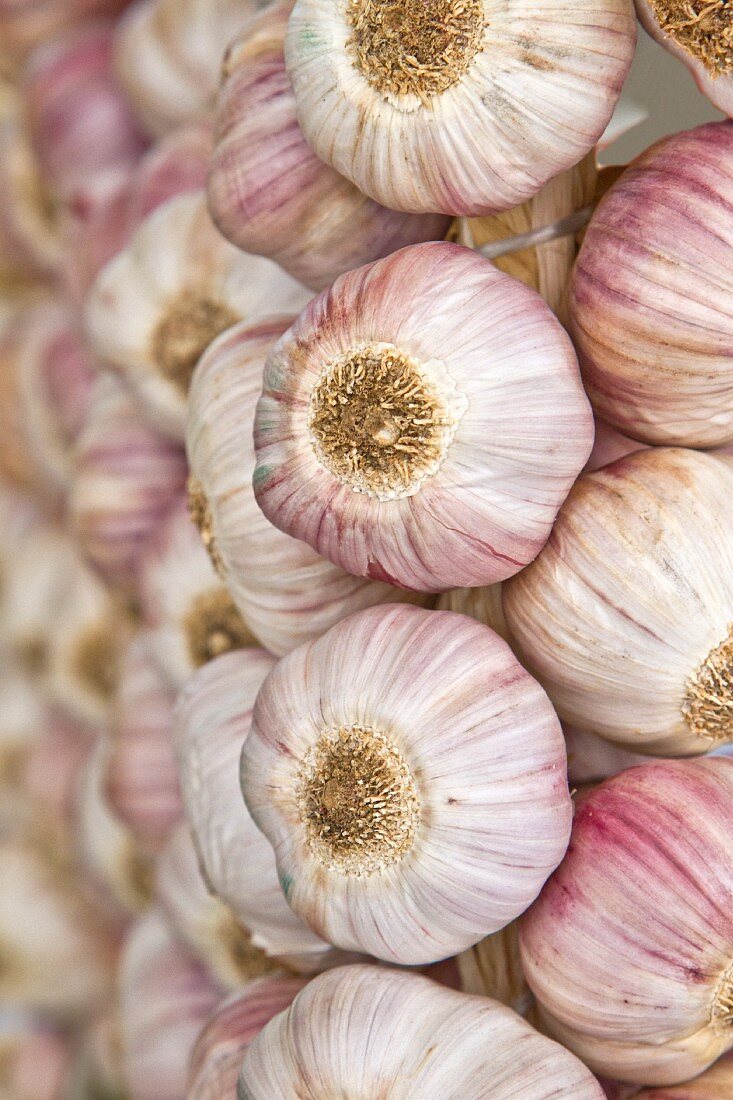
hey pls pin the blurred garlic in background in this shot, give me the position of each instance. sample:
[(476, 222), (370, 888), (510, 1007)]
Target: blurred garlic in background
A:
[(36, 1061), (27, 23)]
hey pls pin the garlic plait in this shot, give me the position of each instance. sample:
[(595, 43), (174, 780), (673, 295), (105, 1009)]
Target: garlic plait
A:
[(411, 778), (422, 422), (160, 302), (627, 614), (286, 592), (462, 106)]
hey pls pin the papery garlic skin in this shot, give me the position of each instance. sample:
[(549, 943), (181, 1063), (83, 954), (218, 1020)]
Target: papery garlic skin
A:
[(592, 759), (629, 947), (25, 24), (268, 191), (715, 1083), (626, 614), (165, 999), (650, 300), (666, 21), (493, 968), (365, 1031), (157, 305), (382, 844), (393, 432), (191, 614), (213, 717), (286, 592), (127, 477), (504, 95), (35, 1061), (610, 445), (217, 1056), (482, 604)]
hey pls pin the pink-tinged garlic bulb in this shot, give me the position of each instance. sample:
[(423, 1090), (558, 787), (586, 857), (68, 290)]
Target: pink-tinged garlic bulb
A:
[(217, 1056), (463, 106), (651, 300), (268, 191), (25, 24), (367, 1031), (141, 781), (629, 947), (286, 592), (715, 1083), (166, 997), (610, 445), (169, 55), (159, 303), (213, 718), (82, 124), (626, 614), (411, 778), (398, 429), (192, 617), (592, 759), (701, 36), (56, 954), (127, 478), (36, 1063)]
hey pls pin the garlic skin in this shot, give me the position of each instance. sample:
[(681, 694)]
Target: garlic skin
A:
[(166, 997), (169, 55), (381, 845), (538, 86), (715, 1083), (160, 302), (629, 947), (35, 1062), (392, 432), (268, 191), (22, 718), (610, 445), (127, 477), (700, 38), (217, 1056), (654, 272), (367, 1031), (592, 759), (626, 614), (493, 968), (482, 604), (286, 592), (213, 717), (189, 611), (24, 24)]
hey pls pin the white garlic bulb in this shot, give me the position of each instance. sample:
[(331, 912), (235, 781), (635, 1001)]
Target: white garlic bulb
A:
[(398, 430), (410, 776), (628, 948), (463, 106), (160, 302), (482, 604), (626, 614), (213, 717), (365, 1031), (286, 592)]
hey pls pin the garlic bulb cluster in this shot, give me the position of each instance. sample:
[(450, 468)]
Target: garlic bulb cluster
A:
[(191, 614), (410, 776), (161, 301), (626, 614), (286, 592), (127, 477), (25, 24), (169, 55), (268, 191), (463, 107), (365, 1031), (629, 947), (397, 432), (217, 1056), (651, 303)]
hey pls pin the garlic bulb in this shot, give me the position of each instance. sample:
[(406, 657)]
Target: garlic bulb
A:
[(592, 759), (493, 968), (629, 947), (715, 1083), (169, 55), (365, 1031), (217, 1056), (609, 445), (483, 604), (382, 844), (160, 302), (25, 24), (463, 107), (190, 612), (22, 718), (268, 191), (626, 614), (699, 34), (35, 1062), (213, 717), (51, 771), (127, 478), (397, 430), (141, 781), (165, 997), (650, 301), (286, 592)]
